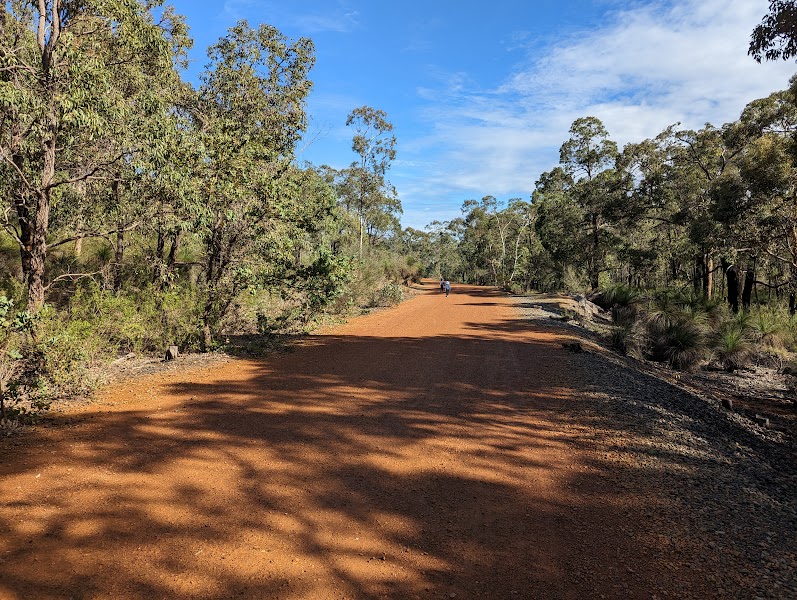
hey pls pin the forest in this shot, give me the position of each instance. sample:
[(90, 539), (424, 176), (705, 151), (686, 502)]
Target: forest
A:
[(141, 211)]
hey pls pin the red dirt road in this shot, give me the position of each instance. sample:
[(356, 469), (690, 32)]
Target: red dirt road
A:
[(421, 452)]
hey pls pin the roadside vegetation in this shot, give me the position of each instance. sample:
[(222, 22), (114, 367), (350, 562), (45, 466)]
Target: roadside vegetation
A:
[(142, 211)]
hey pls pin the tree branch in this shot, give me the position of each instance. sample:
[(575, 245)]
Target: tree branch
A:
[(72, 276), (94, 234)]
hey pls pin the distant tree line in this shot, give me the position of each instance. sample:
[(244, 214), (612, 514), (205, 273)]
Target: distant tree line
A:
[(712, 208)]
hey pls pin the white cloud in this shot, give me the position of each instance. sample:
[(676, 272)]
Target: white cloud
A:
[(337, 17), (648, 67), (340, 20)]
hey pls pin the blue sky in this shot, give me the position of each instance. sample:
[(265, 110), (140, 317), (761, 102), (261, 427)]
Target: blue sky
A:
[(482, 94)]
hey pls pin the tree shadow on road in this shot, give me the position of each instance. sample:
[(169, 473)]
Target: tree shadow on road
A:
[(347, 469)]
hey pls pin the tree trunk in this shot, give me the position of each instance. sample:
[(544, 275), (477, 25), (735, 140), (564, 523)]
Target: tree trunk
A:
[(157, 270), (747, 292), (362, 227), (708, 284), (596, 262), (171, 261), (119, 251), (207, 338), (732, 274), (698, 278), (118, 259), (37, 254)]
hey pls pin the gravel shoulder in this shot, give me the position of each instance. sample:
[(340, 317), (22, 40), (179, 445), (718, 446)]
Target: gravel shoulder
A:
[(727, 484)]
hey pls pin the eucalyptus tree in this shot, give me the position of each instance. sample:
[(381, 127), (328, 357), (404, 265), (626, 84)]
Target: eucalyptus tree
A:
[(759, 206), (363, 187), (705, 164), (442, 257), (559, 224), (653, 241), (251, 114), (62, 105), (776, 36), (492, 242), (589, 156)]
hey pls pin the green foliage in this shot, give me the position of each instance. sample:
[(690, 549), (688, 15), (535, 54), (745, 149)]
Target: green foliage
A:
[(631, 338), (146, 321), (389, 294), (770, 326), (621, 295), (680, 340), (324, 281), (775, 38), (732, 345), (18, 369), (574, 282)]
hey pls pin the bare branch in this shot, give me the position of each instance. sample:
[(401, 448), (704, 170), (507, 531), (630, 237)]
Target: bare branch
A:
[(90, 173), (72, 276), (16, 168), (94, 234)]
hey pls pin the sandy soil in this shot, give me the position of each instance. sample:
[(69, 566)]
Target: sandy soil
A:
[(430, 451)]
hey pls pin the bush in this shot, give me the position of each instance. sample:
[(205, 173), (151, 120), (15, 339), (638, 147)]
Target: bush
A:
[(770, 326), (574, 282), (15, 327), (146, 321), (389, 294), (679, 340), (621, 295), (67, 352), (733, 346), (631, 339)]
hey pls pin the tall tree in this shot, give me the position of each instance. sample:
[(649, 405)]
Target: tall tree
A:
[(364, 187), (588, 156), (251, 112), (59, 100)]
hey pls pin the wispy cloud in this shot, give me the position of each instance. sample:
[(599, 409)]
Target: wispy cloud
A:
[(648, 67), (339, 20), (337, 17)]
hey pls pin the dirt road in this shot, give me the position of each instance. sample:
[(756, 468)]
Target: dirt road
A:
[(434, 450)]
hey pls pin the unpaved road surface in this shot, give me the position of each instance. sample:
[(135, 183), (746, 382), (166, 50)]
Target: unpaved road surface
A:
[(435, 450)]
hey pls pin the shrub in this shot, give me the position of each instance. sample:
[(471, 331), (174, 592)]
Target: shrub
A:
[(732, 345), (15, 326), (769, 326), (621, 295), (67, 352), (389, 294), (145, 321), (630, 338), (573, 282), (679, 340)]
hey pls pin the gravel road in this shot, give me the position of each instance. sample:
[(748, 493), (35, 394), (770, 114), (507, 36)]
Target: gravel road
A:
[(447, 448)]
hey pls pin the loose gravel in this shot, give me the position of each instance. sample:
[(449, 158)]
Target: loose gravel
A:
[(727, 485)]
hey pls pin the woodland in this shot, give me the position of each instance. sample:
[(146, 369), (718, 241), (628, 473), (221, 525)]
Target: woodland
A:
[(141, 211)]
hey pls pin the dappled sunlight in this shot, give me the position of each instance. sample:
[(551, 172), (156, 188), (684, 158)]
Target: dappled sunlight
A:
[(348, 468)]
